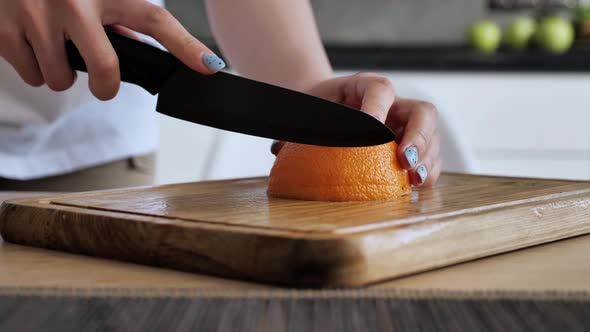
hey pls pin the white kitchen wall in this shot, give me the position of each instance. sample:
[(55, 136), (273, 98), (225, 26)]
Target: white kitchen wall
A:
[(516, 123), (506, 124), (184, 150)]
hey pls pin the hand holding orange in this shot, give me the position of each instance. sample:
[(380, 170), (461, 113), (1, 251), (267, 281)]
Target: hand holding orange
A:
[(379, 172)]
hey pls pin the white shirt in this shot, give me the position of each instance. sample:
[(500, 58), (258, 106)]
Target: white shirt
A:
[(45, 133)]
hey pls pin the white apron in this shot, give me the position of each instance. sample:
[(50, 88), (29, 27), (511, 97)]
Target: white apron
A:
[(44, 133)]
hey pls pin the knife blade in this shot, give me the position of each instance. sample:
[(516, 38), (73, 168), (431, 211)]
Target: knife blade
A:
[(230, 102)]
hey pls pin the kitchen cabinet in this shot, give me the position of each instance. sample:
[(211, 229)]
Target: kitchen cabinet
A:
[(516, 124)]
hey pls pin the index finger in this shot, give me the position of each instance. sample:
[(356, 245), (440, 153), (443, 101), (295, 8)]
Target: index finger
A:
[(158, 23), (98, 53)]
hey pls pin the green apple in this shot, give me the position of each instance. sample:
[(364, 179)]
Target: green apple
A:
[(520, 32), (485, 36), (555, 34)]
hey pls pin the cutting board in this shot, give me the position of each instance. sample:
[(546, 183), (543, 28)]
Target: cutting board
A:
[(233, 229)]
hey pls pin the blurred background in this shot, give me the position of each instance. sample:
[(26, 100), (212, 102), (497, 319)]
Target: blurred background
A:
[(511, 79)]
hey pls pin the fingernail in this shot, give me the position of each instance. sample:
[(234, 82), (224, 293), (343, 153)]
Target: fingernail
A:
[(423, 173), (411, 154), (213, 62)]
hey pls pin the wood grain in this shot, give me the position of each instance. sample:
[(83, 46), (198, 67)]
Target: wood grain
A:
[(13, 195), (554, 267), (232, 229), (245, 203)]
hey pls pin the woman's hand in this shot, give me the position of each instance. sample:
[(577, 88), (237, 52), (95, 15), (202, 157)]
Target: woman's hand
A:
[(414, 122), (33, 34)]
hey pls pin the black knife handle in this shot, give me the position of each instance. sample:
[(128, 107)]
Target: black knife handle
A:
[(140, 64)]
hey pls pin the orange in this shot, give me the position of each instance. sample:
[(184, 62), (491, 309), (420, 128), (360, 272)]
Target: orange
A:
[(318, 173)]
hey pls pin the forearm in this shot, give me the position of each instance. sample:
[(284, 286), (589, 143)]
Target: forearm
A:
[(271, 41)]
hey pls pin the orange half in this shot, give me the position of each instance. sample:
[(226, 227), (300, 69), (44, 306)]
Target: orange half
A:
[(318, 173)]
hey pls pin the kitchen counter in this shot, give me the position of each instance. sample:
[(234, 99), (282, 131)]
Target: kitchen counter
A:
[(455, 58), (536, 286)]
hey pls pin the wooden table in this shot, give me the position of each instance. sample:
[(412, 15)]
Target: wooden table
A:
[(544, 282)]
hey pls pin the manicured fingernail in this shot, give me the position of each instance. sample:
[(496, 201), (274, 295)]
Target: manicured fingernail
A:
[(423, 173), (213, 62), (411, 154)]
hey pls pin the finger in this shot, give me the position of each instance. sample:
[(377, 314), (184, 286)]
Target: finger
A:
[(48, 45), (399, 113), (426, 174), (433, 150), (160, 24), (422, 119), (100, 57), (434, 173), (123, 31), (422, 173), (20, 55), (378, 98), (376, 92)]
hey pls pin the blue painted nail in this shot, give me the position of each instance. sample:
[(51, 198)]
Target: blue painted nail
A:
[(213, 62), (423, 173), (411, 154)]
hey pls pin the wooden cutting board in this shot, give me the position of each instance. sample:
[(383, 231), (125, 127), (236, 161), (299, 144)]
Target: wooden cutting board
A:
[(232, 229)]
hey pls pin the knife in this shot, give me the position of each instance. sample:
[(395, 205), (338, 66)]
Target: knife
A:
[(238, 104)]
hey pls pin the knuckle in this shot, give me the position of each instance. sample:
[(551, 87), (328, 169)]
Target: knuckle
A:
[(428, 107), (420, 139), (157, 16), (106, 68), (67, 3), (189, 43), (26, 15), (366, 74), (73, 6), (385, 83), (30, 20), (74, 9)]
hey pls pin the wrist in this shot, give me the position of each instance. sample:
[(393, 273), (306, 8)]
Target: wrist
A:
[(315, 76), (308, 76)]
